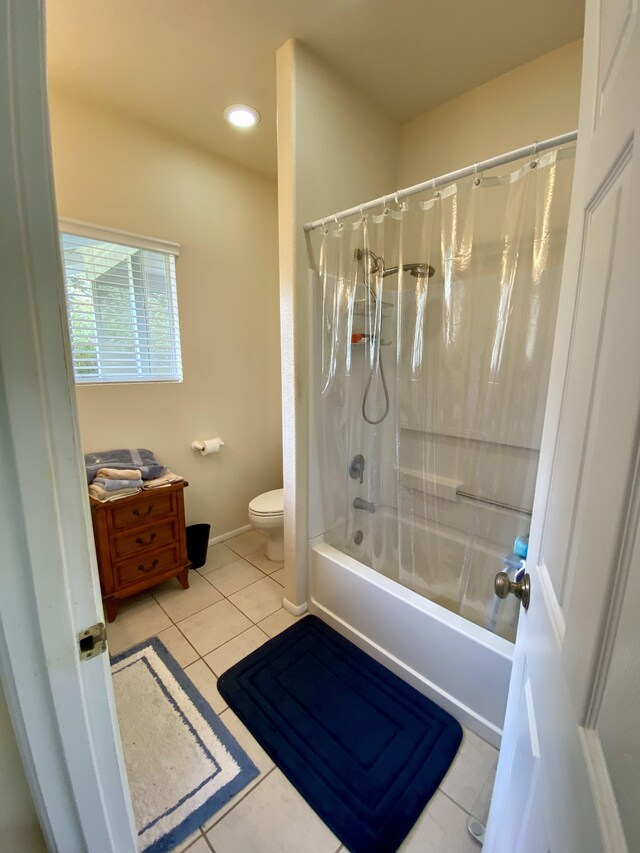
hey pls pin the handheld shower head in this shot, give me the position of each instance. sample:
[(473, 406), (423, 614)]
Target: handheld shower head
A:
[(376, 263)]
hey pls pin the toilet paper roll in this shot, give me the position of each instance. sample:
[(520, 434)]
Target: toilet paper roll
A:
[(208, 446)]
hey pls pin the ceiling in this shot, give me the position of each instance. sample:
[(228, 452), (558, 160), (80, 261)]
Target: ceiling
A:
[(178, 63)]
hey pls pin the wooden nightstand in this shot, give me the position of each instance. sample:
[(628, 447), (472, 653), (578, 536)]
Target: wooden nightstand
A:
[(140, 542)]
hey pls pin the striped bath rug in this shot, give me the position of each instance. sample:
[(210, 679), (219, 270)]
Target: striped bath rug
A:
[(182, 763)]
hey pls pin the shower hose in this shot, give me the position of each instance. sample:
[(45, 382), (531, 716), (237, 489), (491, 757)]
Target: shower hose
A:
[(368, 388)]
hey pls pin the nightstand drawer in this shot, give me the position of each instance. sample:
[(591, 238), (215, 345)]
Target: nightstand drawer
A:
[(152, 536), (146, 565), (149, 506)]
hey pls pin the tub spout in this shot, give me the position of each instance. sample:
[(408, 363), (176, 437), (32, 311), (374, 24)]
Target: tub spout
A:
[(368, 506)]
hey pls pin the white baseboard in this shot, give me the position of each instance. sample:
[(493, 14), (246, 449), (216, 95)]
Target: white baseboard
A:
[(295, 609), (230, 534)]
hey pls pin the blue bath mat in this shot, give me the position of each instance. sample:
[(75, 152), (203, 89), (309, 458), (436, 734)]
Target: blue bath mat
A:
[(364, 749), (182, 762)]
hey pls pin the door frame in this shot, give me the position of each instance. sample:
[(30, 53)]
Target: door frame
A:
[(62, 710)]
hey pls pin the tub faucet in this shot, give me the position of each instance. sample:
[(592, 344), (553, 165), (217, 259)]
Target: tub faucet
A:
[(368, 506)]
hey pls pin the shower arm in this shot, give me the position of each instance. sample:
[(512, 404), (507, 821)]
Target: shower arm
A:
[(432, 183)]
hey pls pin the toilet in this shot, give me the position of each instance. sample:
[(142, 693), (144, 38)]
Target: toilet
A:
[(266, 513)]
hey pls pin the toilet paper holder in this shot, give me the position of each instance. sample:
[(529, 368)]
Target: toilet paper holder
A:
[(207, 446)]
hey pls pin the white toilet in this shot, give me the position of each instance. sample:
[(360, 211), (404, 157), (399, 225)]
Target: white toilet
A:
[(266, 513)]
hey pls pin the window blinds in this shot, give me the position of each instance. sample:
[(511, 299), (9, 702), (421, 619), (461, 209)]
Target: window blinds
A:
[(122, 308)]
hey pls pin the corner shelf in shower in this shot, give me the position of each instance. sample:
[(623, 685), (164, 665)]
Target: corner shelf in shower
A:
[(363, 308)]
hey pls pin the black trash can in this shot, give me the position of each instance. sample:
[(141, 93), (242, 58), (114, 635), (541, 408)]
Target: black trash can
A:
[(197, 544)]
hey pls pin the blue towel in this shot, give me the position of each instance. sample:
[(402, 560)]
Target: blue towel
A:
[(139, 458)]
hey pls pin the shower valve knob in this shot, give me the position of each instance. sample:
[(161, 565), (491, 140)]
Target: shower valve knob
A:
[(503, 585), (356, 468)]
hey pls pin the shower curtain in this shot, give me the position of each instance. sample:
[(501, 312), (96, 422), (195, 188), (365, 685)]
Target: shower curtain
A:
[(432, 333)]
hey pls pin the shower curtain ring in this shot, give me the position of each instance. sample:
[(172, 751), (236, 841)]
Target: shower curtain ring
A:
[(476, 179), (385, 209), (534, 162)]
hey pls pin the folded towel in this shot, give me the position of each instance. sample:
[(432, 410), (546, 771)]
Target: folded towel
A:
[(116, 485), (167, 478), (102, 495), (139, 458), (119, 474)]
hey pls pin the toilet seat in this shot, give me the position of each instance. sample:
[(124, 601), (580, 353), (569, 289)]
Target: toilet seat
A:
[(268, 505)]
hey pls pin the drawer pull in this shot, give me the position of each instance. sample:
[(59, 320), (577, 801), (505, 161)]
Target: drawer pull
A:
[(143, 568), (140, 540), (137, 512)]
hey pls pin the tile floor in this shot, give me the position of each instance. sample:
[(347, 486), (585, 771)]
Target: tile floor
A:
[(233, 605)]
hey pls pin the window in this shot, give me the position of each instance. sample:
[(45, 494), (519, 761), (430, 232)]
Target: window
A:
[(122, 305)]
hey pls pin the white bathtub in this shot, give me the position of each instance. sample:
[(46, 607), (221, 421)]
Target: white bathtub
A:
[(461, 666)]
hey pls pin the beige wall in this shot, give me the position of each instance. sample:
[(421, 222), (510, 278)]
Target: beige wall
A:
[(113, 171), (335, 149), (534, 101), (19, 827)]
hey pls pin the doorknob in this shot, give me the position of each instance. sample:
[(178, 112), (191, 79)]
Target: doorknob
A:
[(503, 585)]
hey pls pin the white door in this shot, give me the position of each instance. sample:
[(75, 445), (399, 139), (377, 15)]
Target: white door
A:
[(568, 777), (62, 710)]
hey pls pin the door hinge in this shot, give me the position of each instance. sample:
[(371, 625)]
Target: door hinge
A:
[(92, 641)]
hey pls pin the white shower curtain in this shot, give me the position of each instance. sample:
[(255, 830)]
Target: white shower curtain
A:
[(436, 375)]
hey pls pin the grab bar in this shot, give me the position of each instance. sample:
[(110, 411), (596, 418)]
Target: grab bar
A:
[(470, 496)]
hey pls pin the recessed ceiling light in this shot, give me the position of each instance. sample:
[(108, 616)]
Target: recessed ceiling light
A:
[(240, 115)]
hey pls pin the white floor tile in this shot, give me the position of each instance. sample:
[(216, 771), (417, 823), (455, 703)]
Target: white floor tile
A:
[(194, 843), (255, 752), (135, 624), (206, 682), (469, 771), (259, 600), (273, 818), (278, 576), (138, 598), (247, 542), (259, 558), (201, 846), (214, 626), (441, 828), (226, 655), (175, 642), (480, 809), (217, 556), (234, 576), (180, 603), (278, 621)]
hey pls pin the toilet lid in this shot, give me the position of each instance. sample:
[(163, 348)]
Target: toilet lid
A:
[(269, 503)]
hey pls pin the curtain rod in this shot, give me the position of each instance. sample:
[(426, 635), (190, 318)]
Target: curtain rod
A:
[(432, 183)]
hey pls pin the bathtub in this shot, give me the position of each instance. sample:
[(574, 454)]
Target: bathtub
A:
[(459, 665)]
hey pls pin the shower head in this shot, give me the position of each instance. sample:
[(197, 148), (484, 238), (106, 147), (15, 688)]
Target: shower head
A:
[(416, 270), (376, 265)]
